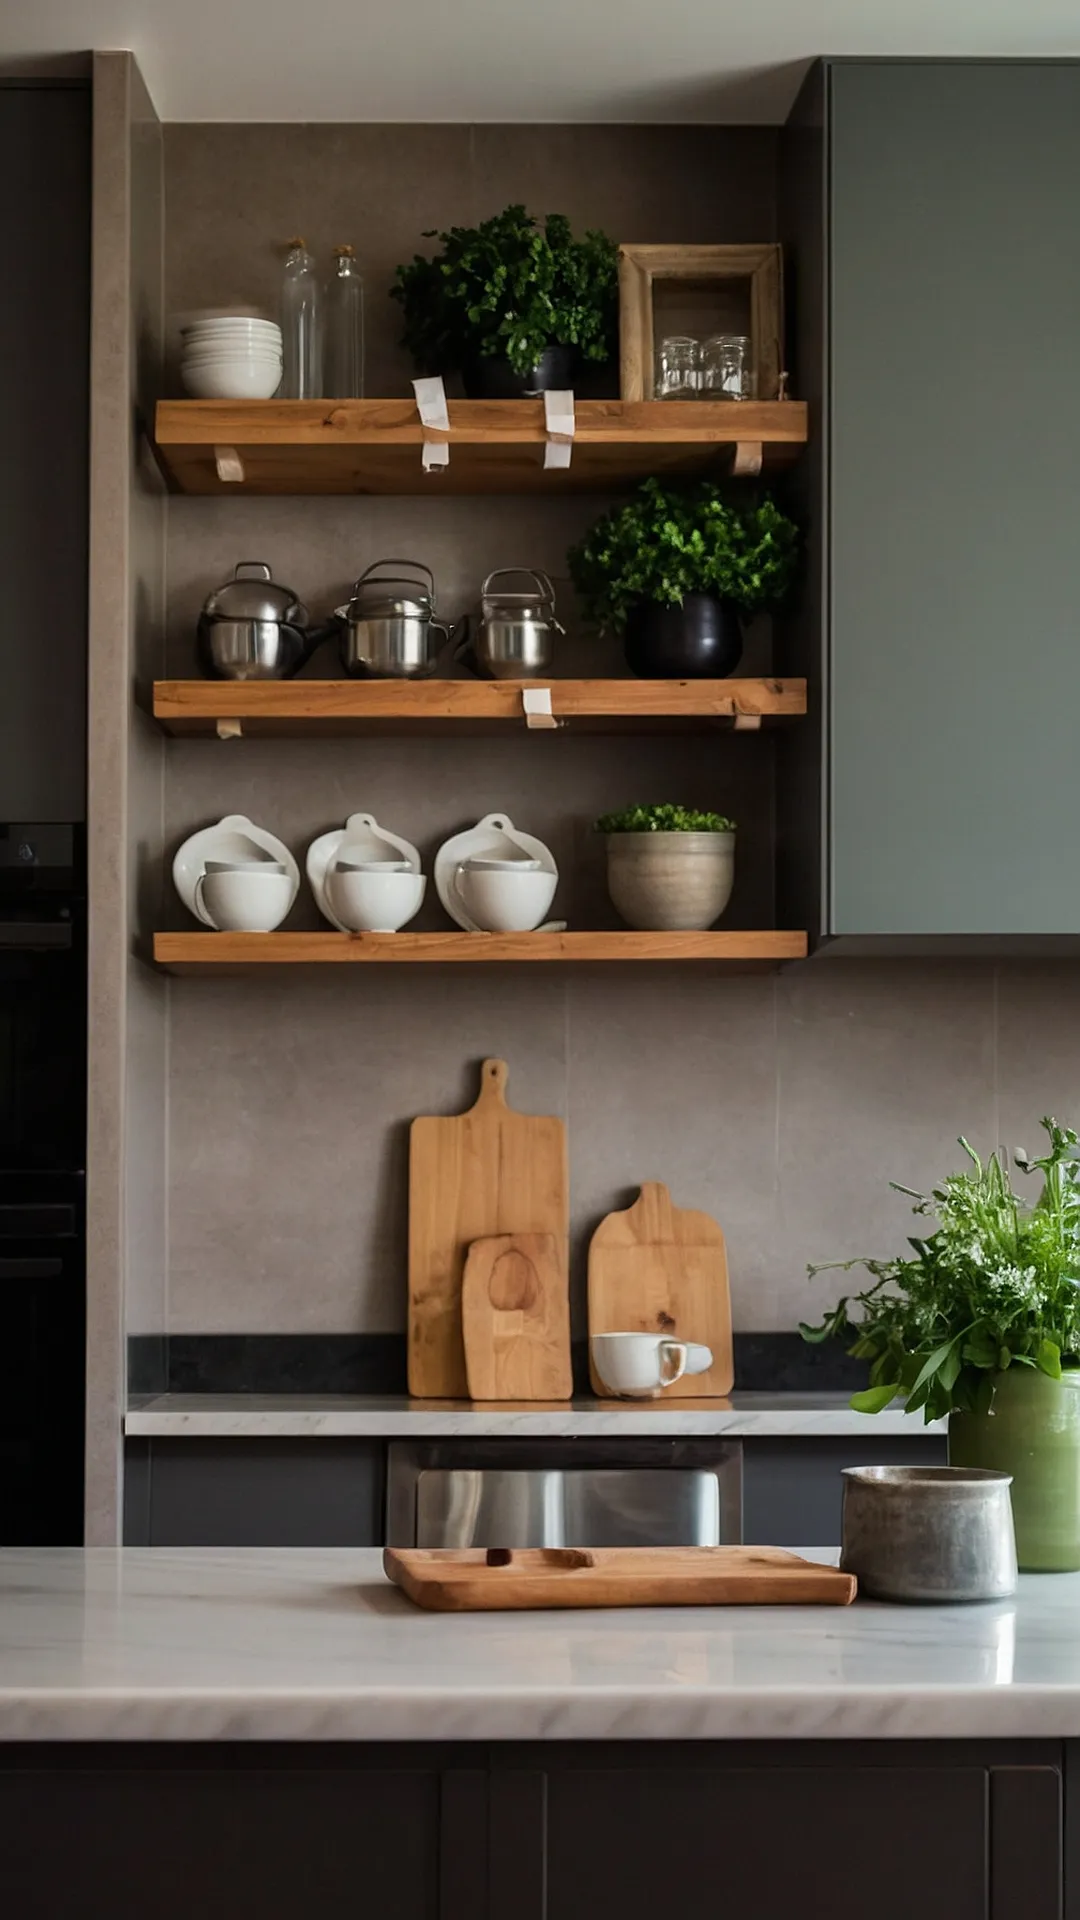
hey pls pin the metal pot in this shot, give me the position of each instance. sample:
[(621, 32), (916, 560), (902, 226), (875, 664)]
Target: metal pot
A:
[(515, 639), (390, 629), (253, 629), (929, 1533)]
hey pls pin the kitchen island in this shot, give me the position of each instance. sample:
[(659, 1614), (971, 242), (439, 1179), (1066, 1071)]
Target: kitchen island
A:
[(281, 1733)]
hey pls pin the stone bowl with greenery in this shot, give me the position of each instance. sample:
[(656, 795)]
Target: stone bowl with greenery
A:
[(675, 569), (669, 869), (514, 305), (979, 1322)]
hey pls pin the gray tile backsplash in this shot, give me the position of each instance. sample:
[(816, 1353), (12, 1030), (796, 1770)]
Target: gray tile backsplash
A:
[(781, 1104)]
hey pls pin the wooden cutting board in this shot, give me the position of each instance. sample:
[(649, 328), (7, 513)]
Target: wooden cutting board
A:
[(657, 1268), (515, 1316), (466, 1580), (471, 1175)]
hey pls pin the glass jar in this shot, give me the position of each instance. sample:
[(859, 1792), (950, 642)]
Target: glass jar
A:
[(676, 375), (301, 339), (726, 368)]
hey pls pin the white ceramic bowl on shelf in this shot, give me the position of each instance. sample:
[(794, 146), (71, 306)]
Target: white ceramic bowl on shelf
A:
[(232, 379)]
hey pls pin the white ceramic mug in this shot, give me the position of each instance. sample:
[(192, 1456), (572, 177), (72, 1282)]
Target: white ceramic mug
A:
[(375, 896), (505, 896), (643, 1363), (253, 898)]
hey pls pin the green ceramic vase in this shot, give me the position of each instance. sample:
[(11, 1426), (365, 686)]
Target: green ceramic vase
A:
[(1033, 1432)]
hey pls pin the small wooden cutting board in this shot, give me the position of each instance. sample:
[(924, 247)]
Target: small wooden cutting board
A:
[(515, 1316), (468, 1579), (487, 1171), (658, 1268)]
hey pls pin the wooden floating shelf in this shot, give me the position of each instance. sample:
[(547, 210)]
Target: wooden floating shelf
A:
[(496, 446), (297, 707), (237, 952)]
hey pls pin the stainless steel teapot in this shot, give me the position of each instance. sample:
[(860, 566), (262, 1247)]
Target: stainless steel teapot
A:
[(388, 629), (252, 628), (515, 636)]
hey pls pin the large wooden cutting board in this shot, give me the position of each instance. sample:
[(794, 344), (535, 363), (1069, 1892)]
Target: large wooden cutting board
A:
[(487, 1171), (657, 1268), (515, 1316), (468, 1579)]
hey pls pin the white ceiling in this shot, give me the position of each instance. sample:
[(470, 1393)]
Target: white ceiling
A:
[(505, 60)]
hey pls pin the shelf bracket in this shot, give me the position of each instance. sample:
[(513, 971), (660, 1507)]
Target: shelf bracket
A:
[(559, 427), (536, 706), (229, 465), (229, 729), (747, 722), (434, 420), (748, 458)]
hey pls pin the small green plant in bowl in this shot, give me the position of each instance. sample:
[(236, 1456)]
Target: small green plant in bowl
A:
[(664, 819), (674, 569), (514, 305), (669, 869)]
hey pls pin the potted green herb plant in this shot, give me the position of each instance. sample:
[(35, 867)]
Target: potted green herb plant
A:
[(669, 868), (673, 570), (981, 1322), (513, 305)]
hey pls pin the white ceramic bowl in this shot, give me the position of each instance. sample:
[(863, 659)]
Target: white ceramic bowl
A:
[(243, 380), (229, 323), (227, 342), (244, 900), (257, 356), (510, 898), (374, 902)]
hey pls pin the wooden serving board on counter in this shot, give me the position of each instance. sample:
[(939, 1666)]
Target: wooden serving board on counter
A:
[(658, 1268), (515, 1316), (471, 1175), (470, 1579)]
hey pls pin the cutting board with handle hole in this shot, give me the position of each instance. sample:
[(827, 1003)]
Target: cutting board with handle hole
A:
[(472, 1175), (515, 1317), (658, 1268), (470, 1579)]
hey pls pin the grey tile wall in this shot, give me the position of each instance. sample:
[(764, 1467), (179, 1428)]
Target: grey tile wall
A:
[(783, 1104)]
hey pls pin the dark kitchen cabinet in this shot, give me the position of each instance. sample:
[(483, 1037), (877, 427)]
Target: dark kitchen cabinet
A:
[(928, 211), (248, 1837), (44, 448), (550, 1832)]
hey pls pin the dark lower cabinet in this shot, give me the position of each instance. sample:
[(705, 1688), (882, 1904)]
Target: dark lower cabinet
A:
[(236, 1838), (947, 1830)]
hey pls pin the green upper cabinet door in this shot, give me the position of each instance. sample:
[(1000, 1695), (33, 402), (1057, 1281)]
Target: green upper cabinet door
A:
[(952, 667)]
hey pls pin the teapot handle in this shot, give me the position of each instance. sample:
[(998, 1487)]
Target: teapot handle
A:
[(530, 573)]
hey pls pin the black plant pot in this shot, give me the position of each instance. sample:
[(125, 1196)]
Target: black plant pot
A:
[(492, 378), (701, 640)]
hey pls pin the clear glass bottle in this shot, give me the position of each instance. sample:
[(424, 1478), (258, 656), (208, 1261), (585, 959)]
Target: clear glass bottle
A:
[(301, 337), (345, 328)]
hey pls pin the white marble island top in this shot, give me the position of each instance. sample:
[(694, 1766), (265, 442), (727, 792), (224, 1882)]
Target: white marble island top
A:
[(201, 1644), (203, 1416)]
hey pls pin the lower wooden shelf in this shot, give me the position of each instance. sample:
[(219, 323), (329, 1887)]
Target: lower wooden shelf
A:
[(236, 952)]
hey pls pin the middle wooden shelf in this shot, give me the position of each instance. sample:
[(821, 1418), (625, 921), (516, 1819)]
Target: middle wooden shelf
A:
[(298, 707)]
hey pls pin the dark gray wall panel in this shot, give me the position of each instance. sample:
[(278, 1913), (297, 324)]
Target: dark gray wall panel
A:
[(265, 1493), (792, 1488), (955, 562), (44, 449)]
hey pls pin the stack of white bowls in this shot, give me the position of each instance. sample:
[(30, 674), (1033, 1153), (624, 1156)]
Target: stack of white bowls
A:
[(231, 356)]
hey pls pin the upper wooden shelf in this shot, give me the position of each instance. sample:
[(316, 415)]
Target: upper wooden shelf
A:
[(295, 707), (496, 446)]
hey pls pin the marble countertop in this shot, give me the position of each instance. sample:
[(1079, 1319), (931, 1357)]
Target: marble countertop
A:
[(202, 1644), (198, 1416)]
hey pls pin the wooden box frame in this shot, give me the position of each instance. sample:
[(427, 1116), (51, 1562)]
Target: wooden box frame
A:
[(640, 267)]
